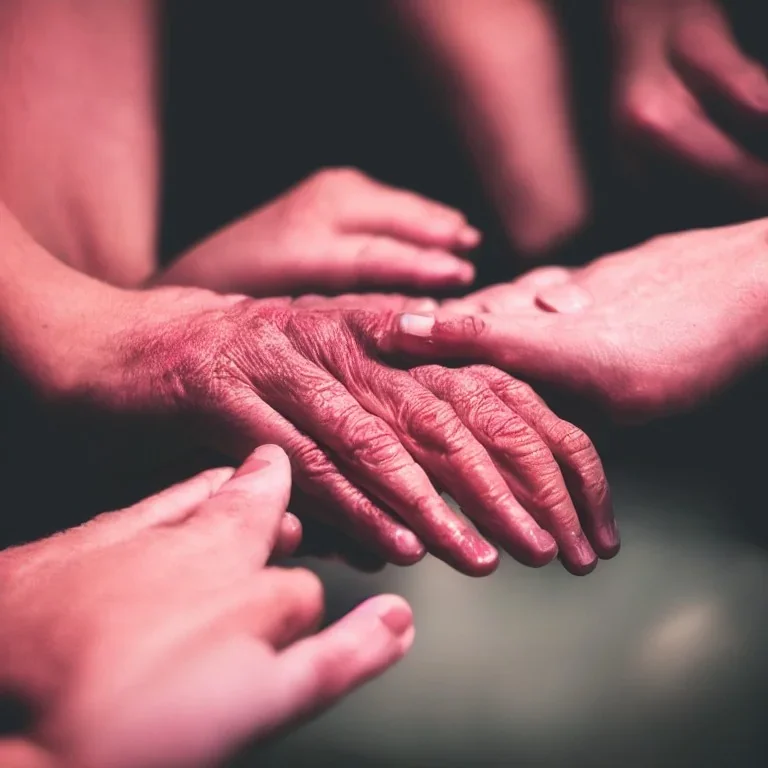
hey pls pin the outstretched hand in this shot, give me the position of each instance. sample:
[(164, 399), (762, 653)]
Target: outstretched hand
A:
[(649, 331), (157, 636)]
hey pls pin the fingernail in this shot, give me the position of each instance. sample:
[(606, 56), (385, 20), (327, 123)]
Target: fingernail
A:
[(397, 618), (252, 464), (393, 612), (417, 325)]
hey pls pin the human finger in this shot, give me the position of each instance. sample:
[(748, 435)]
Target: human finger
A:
[(522, 456)]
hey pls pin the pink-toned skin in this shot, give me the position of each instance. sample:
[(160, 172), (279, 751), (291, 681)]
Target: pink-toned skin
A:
[(503, 68), (672, 58), (157, 637), (645, 332), (365, 439), (336, 231)]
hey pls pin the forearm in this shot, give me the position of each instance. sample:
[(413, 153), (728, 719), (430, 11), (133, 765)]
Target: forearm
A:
[(501, 62), (47, 310), (78, 130)]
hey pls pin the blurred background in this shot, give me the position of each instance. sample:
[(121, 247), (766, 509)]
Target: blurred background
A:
[(660, 657)]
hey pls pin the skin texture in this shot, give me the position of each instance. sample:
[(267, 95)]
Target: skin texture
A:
[(370, 443), (501, 64), (685, 92), (79, 140), (646, 332), (157, 636), (335, 231)]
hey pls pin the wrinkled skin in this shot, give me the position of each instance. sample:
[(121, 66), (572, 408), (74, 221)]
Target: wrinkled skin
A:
[(370, 444), (686, 92), (337, 230), (645, 332), (156, 636)]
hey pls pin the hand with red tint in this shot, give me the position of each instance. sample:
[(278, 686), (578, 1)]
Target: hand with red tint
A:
[(645, 332), (183, 369), (368, 441), (370, 444), (336, 231), (684, 90), (157, 636)]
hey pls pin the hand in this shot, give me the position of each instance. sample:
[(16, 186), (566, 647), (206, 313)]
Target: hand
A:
[(677, 65), (156, 635), (337, 230), (366, 440), (645, 332)]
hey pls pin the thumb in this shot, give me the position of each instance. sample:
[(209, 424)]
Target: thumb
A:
[(253, 500), (206, 704)]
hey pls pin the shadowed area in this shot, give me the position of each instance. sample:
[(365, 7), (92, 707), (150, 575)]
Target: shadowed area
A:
[(658, 658)]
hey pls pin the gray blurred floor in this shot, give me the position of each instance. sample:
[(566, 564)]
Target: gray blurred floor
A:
[(656, 659)]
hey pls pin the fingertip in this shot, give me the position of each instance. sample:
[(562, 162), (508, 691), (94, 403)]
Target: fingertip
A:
[(407, 548), (290, 535), (469, 237), (608, 541), (267, 470), (394, 613), (543, 552), (579, 569), (477, 560)]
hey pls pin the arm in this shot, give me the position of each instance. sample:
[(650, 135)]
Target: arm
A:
[(78, 130), (503, 62)]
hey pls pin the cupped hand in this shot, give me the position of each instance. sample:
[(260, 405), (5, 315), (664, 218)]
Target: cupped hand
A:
[(336, 231), (645, 332), (684, 90), (157, 636)]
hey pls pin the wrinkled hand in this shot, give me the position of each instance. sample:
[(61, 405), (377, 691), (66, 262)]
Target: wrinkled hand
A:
[(645, 332), (337, 230), (684, 89), (156, 636), (371, 444)]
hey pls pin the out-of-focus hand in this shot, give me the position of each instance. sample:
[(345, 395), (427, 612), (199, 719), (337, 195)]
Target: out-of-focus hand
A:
[(371, 444), (684, 90), (338, 230), (648, 331), (156, 636), (503, 68)]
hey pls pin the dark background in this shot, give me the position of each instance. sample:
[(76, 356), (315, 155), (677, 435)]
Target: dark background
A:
[(656, 659)]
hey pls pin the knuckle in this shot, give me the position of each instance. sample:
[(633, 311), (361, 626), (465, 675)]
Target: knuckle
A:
[(572, 441), (551, 496), (434, 424), (311, 462), (367, 442)]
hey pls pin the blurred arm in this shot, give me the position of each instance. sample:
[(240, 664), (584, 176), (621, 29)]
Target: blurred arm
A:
[(502, 61), (78, 130)]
